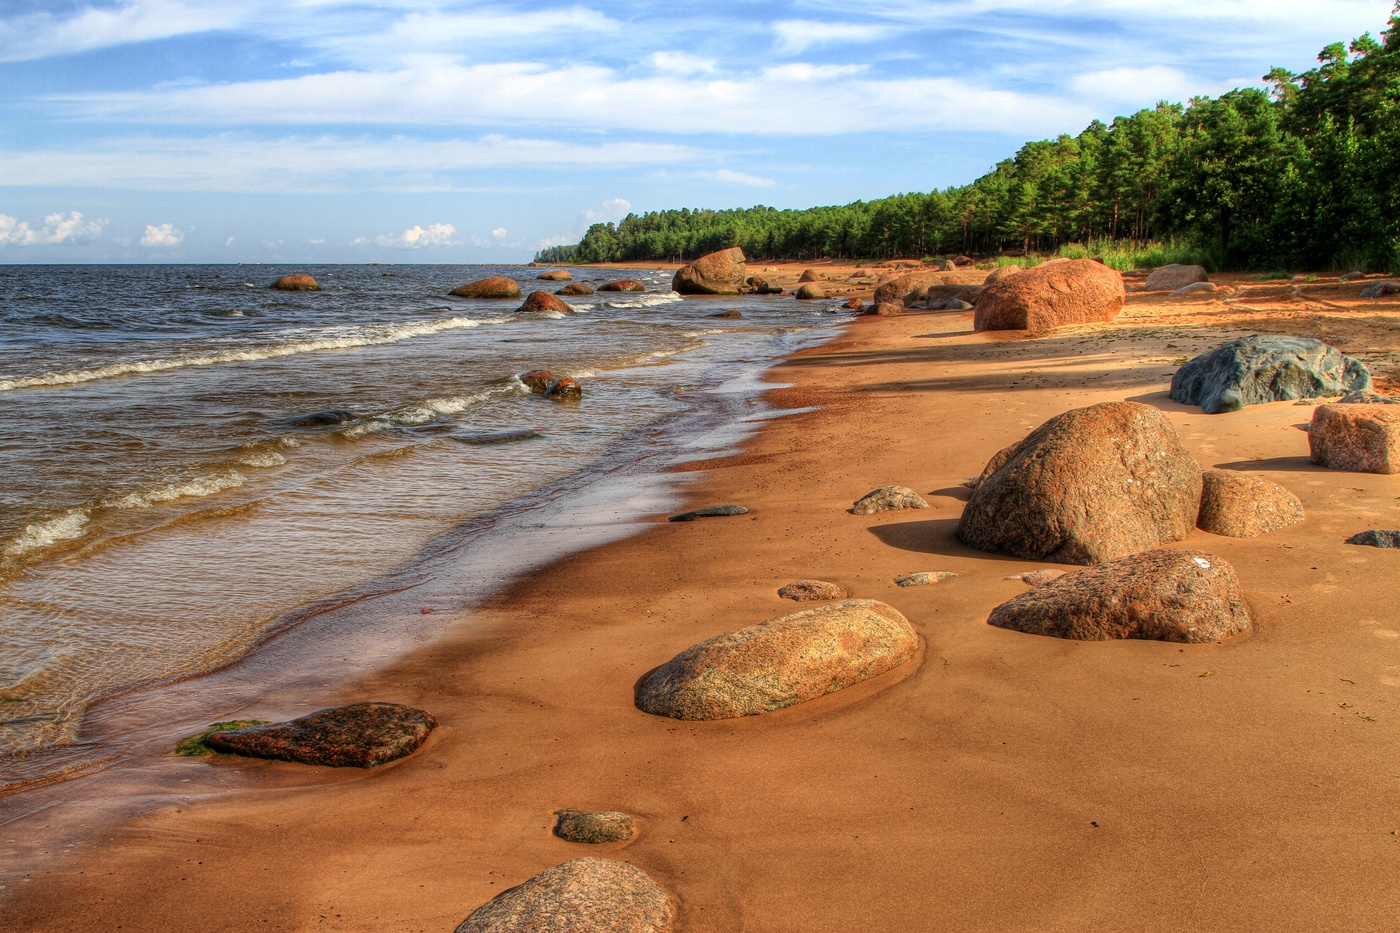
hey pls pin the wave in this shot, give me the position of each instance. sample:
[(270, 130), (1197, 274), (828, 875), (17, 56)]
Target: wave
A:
[(429, 410), (195, 488), (357, 337), (645, 301), (264, 461), (71, 524)]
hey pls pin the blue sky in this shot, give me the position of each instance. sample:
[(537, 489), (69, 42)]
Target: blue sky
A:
[(450, 131)]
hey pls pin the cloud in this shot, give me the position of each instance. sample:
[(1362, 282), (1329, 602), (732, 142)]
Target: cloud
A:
[(415, 237), (613, 209), (796, 36), (681, 63), (41, 35), (499, 233), (742, 178), (57, 229), (1144, 86), (165, 235)]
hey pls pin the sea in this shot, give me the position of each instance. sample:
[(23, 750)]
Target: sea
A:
[(194, 463)]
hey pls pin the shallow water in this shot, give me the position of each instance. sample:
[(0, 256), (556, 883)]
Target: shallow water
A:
[(165, 508)]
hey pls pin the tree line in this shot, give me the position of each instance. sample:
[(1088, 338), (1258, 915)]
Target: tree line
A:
[(1305, 174)]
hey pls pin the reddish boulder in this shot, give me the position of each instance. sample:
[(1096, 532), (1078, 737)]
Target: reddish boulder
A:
[(808, 590), (1238, 505), (883, 309), (853, 304), (914, 286), (1074, 291), (361, 735), (297, 283), (558, 275), (538, 380), (577, 288), (807, 276), (496, 286), (564, 390), (1360, 438), (1002, 272), (623, 285), (719, 273), (544, 301)]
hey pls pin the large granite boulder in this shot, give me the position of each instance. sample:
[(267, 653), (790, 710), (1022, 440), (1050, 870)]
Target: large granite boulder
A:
[(1238, 505), (361, 735), (780, 662), (719, 273), (544, 302), (914, 286), (1175, 276), (1072, 291), (1087, 486), (809, 292), (300, 282), (1358, 438), (1166, 595), (495, 286), (1266, 368), (586, 895)]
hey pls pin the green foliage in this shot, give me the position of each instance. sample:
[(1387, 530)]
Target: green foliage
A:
[(193, 746), (1305, 175)]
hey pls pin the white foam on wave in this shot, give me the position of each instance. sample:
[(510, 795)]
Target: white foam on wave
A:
[(332, 339), (264, 461), (195, 488), (429, 410), (71, 524), (646, 301)]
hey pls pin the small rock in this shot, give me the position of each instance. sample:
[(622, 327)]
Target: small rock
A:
[(593, 828), (731, 315), (1240, 506), (883, 309), (498, 437), (1380, 289), (575, 289), (1165, 595), (888, 499), (564, 390), (319, 419), (853, 304), (496, 286), (1036, 577), (1377, 537), (586, 895), (623, 285), (709, 511), (544, 301), (297, 283), (807, 276), (1353, 276), (806, 590), (923, 579), (361, 735), (558, 275), (1359, 438), (809, 292), (538, 380)]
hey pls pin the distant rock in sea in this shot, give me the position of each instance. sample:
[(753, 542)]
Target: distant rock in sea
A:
[(300, 282), (496, 286)]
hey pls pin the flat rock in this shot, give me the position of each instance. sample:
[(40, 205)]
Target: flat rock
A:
[(888, 499), (778, 663), (1036, 577), (495, 286), (1358, 438), (361, 735), (709, 511), (1173, 277), (318, 419), (1165, 595), (593, 828), (1087, 486), (558, 275), (586, 895), (1052, 294), (1380, 289), (733, 314), (1377, 537), (299, 282), (1238, 505), (807, 590), (544, 301), (924, 579), (1366, 398), (718, 273), (1266, 368)]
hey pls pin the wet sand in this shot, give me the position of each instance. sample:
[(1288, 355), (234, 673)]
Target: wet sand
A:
[(1000, 782)]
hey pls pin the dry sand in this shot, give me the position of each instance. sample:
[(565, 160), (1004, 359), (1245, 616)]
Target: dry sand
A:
[(1001, 782)]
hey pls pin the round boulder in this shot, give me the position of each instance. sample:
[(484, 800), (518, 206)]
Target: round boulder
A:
[(587, 894), (300, 282), (808, 292), (361, 735), (1166, 595), (1175, 276), (1087, 486), (1002, 272), (576, 288), (496, 286), (888, 499), (1241, 506), (538, 380), (1356, 438), (1072, 291), (1266, 368), (718, 273), (623, 285), (807, 276), (564, 390), (783, 661), (544, 302)]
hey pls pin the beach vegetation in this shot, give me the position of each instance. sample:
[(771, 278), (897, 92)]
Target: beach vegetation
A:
[(193, 746), (1302, 174)]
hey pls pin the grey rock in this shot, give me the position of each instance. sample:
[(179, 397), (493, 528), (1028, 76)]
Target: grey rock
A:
[(586, 895), (1381, 289), (709, 511), (1171, 277), (1269, 368), (1196, 290), (1377, 537), (888, 499)]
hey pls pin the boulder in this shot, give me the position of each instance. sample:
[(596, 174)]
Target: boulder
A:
[(888, 499), (577, 288), (719, 273), (622, 285), (964, 261), (1355, 275), (593, 828), (1366, 397), (914, 286), (586, 895), (709, 511), (361, 735), (558, 275), (1266, 368), (1377, 537), (783, 661), (564, 390), (1002, 272), (1171, 277), (1238, 505), (808, 590), (1166, 595), (853, 304), (538, 380), (1358, 438), (883, 309), (733, 314), (1087, 486), (761, 286), (942, 297), (809, 291), (544, 302), (496, 286), (1072, 291), (1194, 291), (297, 283), (320, 419), (1380, 289), (807, 276)]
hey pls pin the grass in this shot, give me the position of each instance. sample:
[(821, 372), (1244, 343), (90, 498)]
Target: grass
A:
[(1128, 254), (193, 746)]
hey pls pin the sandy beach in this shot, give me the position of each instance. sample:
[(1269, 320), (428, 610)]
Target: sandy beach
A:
[(999, 782)]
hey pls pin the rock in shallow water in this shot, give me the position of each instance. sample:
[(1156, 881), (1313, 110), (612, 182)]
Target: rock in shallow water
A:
[(586, 895), (361, 735), (709, 511), (593, 828), (498, 437), (778, 663), (297, 283)]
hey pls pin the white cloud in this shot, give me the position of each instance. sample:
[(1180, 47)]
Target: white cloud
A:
[(415, 237), (165, 235), (743, 178), (40, 35), (613, 209), (681, 63), (1144, 86), (499, 233), (796, 36), (57, 229), (319, 241), (229, 241)]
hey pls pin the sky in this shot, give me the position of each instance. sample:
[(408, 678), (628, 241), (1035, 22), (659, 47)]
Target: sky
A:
[(450, 131)]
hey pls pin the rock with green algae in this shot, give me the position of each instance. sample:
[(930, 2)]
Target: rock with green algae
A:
[(361, 735)]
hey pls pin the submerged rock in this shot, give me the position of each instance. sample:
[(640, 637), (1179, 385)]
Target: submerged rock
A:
[(888, 499), (564, 390), (498, 437), (317, 419), (496, 286), (586, 895), (781, 662), (361, 735), (538, 380), (593, 828), (709, 511), (623, 285), (1268, 368)]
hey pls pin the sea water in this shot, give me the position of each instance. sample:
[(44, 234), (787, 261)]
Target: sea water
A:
[(166, 504)]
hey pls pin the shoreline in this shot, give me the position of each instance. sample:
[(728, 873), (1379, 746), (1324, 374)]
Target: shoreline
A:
[(1003, 782)]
